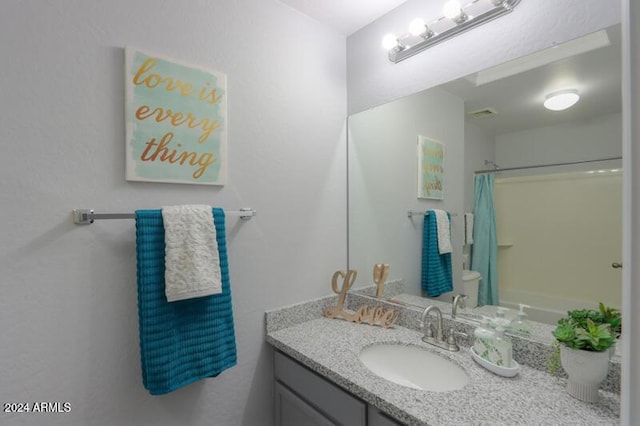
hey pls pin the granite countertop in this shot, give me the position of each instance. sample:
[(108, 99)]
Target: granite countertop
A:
[(332, 347)]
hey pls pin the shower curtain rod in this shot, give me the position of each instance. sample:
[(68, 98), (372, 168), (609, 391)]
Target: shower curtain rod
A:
[(537, 166)]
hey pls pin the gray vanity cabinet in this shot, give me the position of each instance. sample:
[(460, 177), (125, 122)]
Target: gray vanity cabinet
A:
[(291, 410), (376, 417), (303, 398)]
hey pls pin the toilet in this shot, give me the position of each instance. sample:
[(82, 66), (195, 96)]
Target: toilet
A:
[(470, 283)]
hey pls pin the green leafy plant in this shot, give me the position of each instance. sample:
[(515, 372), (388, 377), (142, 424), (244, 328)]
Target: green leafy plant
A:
[(587, 330)]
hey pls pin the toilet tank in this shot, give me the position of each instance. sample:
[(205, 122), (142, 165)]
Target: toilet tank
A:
[(470, 283)]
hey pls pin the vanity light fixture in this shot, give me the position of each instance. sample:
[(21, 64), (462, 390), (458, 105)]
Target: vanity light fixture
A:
[(417, 27), (390, 41), (452, 10), (561, 100), (456, 20)]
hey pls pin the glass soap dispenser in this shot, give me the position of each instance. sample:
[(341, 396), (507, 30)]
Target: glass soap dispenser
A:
[(521, 325), (501, 353), (499, 320), (483, 339)]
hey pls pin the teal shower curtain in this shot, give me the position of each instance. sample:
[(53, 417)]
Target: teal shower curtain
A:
[(484, 255)]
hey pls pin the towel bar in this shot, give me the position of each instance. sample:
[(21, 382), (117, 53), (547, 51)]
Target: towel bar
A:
[(411, 213), (87, 216)]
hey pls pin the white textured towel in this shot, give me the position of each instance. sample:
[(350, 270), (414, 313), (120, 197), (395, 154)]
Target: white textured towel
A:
[(444, 232), (468, 228), (192, 263)]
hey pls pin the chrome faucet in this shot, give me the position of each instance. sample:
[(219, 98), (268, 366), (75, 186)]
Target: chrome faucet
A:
[(458, 301), (429, 332), (439, 339)]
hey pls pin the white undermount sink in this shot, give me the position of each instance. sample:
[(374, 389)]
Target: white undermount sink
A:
[(413, 367)]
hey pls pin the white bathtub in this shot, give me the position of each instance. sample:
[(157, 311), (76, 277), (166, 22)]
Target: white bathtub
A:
[(542, 308)]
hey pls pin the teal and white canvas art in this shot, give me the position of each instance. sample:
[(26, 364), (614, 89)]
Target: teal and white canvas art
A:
[(176, 121), (430, 168)]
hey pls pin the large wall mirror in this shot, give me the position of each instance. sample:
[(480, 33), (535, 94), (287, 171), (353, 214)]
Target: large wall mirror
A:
[(558, 228)]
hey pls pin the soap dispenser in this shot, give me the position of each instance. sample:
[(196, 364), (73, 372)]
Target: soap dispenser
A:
[(483, 339), (501, 352), (521, 325), (499, 320)]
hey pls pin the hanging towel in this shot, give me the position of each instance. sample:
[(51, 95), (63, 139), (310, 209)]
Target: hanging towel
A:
[(185, 341), (468, 228), (444, 231), (192, 264), (436, 267)]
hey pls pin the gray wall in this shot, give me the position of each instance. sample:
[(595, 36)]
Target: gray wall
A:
[(68, 306), (383, 183), (630, 415), (597, 138)]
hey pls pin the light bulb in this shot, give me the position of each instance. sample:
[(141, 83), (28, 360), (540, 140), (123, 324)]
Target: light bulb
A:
[(452, 10), (417, 27), (389, 41), (558, 101)]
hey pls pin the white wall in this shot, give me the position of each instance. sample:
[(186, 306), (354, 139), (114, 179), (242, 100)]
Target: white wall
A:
[(383, 183), (68, 308), (479, 145), (533, 25), (594, 139)]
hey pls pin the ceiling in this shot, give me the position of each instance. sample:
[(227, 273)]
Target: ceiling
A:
[(346, 16), (517, 99)]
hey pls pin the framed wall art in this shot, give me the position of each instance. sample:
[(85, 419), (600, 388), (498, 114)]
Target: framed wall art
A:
[(176, 121)]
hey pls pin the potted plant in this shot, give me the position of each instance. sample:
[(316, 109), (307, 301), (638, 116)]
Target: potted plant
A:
[(584, 342)]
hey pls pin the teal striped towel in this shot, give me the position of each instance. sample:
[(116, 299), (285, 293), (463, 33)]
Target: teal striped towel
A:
[(185, 341), (436, 267)]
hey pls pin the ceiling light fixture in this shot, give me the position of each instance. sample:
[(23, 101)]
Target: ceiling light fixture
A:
[(456, 20), (561, 100)]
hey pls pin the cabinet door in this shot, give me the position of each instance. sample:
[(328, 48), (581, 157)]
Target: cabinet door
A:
[(291, 410), (336, 404), (378, 418)]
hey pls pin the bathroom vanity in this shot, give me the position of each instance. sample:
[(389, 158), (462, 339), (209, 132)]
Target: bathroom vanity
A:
[(319, 376), (303, 397)]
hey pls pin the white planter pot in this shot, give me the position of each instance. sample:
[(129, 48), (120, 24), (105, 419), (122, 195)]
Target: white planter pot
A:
[(586, 371)]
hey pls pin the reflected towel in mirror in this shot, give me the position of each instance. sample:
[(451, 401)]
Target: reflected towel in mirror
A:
[(468, 228), (444, 231), (436, 267)]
